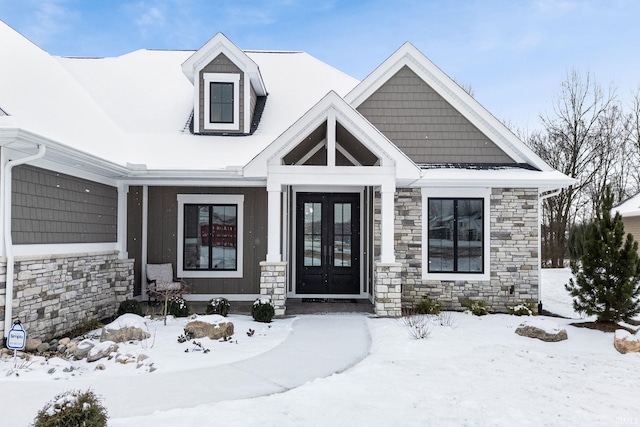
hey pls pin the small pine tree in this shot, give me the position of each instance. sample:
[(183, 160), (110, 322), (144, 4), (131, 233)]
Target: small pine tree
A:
[(607, 278)]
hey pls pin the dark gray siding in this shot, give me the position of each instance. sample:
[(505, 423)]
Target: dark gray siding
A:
[(163, 227), (222, 64), (50, 207), (134, 234), (425, 126)]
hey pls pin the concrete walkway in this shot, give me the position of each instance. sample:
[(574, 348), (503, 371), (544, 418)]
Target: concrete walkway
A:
[(318, 346)]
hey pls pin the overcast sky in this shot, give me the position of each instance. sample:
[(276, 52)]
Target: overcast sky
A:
[(513, 53)]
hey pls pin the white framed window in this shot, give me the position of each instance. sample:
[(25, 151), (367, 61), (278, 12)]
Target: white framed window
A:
[(221, 101), (210, 235), (456, 234)]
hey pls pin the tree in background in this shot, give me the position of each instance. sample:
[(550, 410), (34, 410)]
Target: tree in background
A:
[(607, 280), (587, 138)]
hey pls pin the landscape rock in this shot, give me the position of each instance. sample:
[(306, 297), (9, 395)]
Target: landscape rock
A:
[(64, 341), (82, 349), (625, 342), (100, 367), (31, 344), (43, 347), (102, 350), (215, 331), (542, 329), (128, 327)]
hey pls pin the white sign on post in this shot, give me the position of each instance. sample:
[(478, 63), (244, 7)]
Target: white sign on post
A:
[(17, 338)]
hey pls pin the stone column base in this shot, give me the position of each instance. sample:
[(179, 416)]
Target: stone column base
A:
[(273, 284), (388, 289)]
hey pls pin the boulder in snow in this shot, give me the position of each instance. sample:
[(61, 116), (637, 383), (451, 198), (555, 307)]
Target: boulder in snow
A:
[(215, 331), (32, 344), (542, 329), (101, 350), (82, 349), (128, 327), (625, 342)]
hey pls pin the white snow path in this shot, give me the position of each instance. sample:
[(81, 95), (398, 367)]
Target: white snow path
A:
[(318, 346)]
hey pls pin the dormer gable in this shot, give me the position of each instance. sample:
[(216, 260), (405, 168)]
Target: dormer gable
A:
[(228, 88), (408, 63)]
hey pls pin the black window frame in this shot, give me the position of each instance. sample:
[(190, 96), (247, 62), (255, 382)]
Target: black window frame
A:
[(455, 234), (221, 103), (210, 235)]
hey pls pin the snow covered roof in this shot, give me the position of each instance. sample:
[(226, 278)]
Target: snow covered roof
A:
[(133, 109), (629, 207)]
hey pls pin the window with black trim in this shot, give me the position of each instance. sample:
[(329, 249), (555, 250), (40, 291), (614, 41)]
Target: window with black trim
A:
[(456, 235), (210, 237), (221, 102)]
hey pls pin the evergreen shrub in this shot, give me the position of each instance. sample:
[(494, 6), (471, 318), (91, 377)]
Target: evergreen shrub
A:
[(219, 306), (262, 311), (72, 408), (130, 306)]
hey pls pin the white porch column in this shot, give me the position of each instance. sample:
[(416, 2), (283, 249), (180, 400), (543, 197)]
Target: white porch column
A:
[(274, 234), (387, 253), (123, 191)]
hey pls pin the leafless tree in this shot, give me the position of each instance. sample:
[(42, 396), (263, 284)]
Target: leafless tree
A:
[(572, 142)]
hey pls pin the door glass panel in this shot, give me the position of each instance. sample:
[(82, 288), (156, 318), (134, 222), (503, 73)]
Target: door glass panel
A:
[(342, 235), (312, 234)]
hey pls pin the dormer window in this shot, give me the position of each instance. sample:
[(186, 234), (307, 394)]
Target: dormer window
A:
[(221, 103), (221, 97)]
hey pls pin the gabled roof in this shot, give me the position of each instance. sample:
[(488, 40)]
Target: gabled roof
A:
[(353, 121), (407, 55), (214, 47)]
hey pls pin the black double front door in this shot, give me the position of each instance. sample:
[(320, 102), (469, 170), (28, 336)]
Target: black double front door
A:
[(328, 243)]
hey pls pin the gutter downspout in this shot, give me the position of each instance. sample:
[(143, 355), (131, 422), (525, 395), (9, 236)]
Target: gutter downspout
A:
[(8, 242), (542, 198)]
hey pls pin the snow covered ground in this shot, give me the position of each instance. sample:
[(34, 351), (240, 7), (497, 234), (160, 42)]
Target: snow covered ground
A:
[(472, 371)]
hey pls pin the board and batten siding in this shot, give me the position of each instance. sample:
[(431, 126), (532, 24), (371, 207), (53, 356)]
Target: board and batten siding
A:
[(53, 208), (425, 126), (221, 64), (162, 244)]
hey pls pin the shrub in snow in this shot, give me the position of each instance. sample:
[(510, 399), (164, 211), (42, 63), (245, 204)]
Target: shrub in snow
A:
[(523, 309), (607, 279), (428, 306), (129, 306), (219, 306), (478, 308), (72, 408), (177, 306), (262, 311)]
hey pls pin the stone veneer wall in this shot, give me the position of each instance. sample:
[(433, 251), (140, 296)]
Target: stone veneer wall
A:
[(55, 294), (273, 284), (513, 251)]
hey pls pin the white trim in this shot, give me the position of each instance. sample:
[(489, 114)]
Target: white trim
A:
[(484, 193), (237, 199), (123, 191), (63, 248), (221, 78), (230, 297), (247, 103)]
